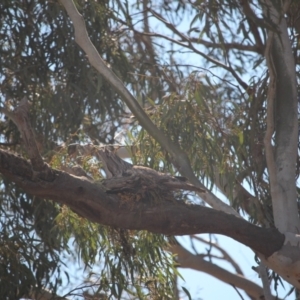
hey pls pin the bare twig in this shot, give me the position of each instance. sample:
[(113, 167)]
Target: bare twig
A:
[(238, 292), (225, 254), (227, 46)]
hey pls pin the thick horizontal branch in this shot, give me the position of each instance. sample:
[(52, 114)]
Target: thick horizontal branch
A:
[(124, 210)]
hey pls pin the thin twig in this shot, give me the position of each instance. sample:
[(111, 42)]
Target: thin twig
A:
[(191, 46), (225, 254)]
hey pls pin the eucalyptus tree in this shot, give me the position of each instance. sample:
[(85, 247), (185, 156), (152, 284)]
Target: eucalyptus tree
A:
[(200, 95)]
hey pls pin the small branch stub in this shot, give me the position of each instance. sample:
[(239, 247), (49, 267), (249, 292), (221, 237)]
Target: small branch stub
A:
[(20, 116)]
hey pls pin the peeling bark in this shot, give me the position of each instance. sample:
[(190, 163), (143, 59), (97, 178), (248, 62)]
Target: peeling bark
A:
[(283, 120)]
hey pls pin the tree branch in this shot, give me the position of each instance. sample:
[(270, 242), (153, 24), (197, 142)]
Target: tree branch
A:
[(225, 254), (228, 46), (262, 270), (282, 101), (187, 260), (135, 210)]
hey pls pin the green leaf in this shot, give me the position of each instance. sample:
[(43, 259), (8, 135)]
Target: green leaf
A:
[(187, 292), (241, 137)]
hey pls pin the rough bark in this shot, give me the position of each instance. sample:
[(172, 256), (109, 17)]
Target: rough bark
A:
[(143, 207)]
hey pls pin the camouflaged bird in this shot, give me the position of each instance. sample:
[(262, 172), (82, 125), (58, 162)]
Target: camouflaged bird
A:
[(125, 177)]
